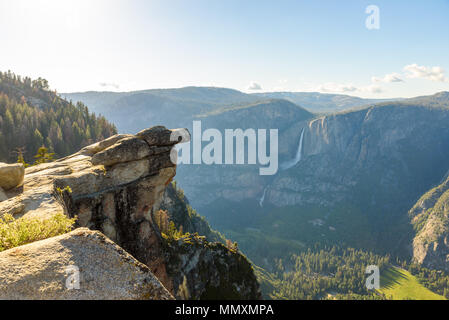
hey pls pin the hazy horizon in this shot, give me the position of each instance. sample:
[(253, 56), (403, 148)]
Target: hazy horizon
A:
[(244, 91)]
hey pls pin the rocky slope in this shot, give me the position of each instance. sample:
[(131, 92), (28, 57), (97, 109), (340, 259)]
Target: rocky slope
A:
[(115, 186), (219, 269), (430, 219)]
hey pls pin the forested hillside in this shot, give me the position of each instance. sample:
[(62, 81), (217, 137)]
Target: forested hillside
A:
[(31, 116)]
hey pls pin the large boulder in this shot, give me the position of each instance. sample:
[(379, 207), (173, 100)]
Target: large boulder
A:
[(49, 269), (11, 175)]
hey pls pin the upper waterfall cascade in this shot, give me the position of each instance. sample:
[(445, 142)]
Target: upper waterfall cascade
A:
[(263, 196), (291, 163), (288, 164)]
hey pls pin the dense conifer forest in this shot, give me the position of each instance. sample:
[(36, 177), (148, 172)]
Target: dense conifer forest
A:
[(32, 116)]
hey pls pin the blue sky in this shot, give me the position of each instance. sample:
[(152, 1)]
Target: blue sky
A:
[(122, 45)]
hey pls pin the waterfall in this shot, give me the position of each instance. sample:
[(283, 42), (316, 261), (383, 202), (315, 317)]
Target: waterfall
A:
[(288, 164), (291, 163), (263, 196)]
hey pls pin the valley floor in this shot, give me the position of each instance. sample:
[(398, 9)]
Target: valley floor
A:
[(399, 284)]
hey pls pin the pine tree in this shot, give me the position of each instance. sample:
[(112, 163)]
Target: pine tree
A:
[(43, 156)]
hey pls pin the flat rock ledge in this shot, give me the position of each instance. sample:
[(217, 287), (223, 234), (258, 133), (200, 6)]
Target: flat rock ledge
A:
[(118, 161), (48, 269)]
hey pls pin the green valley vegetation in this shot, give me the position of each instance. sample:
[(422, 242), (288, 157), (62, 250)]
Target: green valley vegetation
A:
[(269, 233), (399, 284), (320, 273), (336, 273), (435, 280), (32, 116)]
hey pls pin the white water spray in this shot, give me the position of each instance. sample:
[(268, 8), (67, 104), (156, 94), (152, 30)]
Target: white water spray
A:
[(263, 196), (288, 164), (293, 162)]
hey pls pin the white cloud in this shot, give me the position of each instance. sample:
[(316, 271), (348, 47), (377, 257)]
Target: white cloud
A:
[(109, 84), (333, 87), (254, 86), (413, 71), (392, 77), (336, 87)]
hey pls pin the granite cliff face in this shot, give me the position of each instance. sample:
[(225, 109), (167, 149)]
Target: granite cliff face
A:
[(115, 186), (396, 151), (430, 218), (365, 169), (371, 153)]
